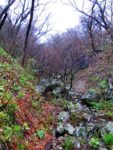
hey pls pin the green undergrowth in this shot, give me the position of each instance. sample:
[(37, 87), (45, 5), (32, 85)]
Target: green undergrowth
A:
[(15, 82)]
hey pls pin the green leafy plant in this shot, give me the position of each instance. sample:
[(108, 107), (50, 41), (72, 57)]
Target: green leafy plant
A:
[(2, 52), (7, 133), (96, 105), (12, 131), (16, 87), (21, 94), (17, 131), (8, 96), (68, 143), (105, 105), (91, 90), (2, 88), (94, 142), (109, 114), (36, 104), (40, 134), (3, 116), (12, 107), (93, 78), (108, 139), (25, 126), (103, 84), (73, 117), (21, 147), (23, 79)]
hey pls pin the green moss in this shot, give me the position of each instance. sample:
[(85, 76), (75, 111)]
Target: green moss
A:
[(94, 142), (68, 143), (105, 105), (40, 133), (108, 139), (109, 114), (103, 84), (94, 78), (96, 105), (2, 52), (73, 118)]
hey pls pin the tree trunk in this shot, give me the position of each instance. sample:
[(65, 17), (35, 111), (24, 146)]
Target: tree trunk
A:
[(27, 33), (92, 40), (3, 21)]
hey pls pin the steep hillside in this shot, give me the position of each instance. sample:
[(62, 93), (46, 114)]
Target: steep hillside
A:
[(25, 120), (81, 122), (100, 69)]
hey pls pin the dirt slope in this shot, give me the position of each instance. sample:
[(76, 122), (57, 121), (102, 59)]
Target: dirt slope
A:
[(101, 67)]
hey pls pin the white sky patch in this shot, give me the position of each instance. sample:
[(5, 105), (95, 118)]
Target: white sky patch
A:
[(64, 17)]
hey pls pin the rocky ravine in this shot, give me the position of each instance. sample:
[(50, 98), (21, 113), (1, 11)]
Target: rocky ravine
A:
[(85, 122)]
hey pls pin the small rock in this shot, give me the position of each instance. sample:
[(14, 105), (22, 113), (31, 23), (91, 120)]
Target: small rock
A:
[(69, 128), (109, 127), (77, 144), (102, 148), (60, 138), (109, 94), (90, 97), (71, 94), (79, 107), (81, 132), (40, 88), (63, 116), (57, 91), (87, 116), (90, 126), (59, 130), (59, 148)]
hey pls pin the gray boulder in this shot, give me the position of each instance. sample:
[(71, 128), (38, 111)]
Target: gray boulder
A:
[(40, 88), (81, 131), (57, 92), (69, 129), (46, 86), (91, 96), (109, 127), (102, 148), (109, 95), (42, 85)]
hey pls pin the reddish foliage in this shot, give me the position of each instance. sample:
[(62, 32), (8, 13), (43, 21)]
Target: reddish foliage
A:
[(34, 122)]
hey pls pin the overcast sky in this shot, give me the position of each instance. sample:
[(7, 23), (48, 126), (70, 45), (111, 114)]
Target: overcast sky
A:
[(63, 16)]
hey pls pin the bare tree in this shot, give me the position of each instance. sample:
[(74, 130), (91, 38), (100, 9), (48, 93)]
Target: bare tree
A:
[(4, 12), (19, 21), (28, 32), (64, 54), (98, 12)]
